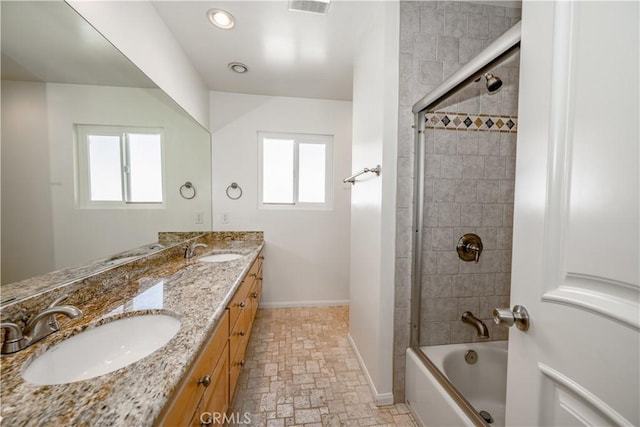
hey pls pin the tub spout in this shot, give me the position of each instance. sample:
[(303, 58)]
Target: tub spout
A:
[(469, 318)]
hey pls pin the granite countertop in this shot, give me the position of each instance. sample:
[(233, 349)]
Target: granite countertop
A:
[(194, 292)]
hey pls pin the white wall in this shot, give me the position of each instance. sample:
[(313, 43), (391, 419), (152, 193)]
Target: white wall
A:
[(39, 212), (307, 251), (375, 113), (136, 29), (28, 242)]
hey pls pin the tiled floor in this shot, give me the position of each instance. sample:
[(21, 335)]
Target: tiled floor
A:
[(301, 371)]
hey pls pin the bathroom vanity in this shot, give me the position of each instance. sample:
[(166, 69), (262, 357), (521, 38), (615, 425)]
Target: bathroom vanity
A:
[(187, 381), (206, 391)]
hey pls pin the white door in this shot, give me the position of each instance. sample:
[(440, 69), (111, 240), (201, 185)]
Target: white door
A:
[(576, 221)]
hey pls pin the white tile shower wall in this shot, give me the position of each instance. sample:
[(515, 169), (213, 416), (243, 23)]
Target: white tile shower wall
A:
[(469, 174)]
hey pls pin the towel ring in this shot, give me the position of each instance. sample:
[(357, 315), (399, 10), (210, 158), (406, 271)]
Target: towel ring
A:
[(234, 186), (187, 186)]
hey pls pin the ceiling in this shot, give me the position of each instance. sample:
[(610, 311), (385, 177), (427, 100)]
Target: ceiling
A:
[(49, 42), (288, 53)]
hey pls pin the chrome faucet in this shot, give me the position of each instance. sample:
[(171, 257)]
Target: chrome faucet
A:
[(39, 326), (13, 339), (470, 319), (189, 251)]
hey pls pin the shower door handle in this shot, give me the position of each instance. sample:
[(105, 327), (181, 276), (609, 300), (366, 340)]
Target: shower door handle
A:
[(507, 318)]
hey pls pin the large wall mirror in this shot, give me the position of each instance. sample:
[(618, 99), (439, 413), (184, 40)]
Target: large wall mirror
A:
[(58, 75)]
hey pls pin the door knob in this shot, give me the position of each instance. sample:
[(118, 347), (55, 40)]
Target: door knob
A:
[(507, 318)]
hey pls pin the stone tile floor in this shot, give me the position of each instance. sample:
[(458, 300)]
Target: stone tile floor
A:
[(301, 371)]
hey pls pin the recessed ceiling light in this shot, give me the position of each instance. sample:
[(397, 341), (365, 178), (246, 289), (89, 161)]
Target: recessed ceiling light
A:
[(221, 18), (238, 67)]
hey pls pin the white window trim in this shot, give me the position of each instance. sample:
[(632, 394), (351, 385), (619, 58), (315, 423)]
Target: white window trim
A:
[(327, 141), (81, 157)]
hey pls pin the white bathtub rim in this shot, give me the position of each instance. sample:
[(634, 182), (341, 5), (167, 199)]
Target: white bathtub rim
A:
[(418, 411), (457, 401)]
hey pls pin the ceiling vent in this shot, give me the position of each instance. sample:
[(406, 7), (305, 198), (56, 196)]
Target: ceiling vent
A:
[(319, 7)]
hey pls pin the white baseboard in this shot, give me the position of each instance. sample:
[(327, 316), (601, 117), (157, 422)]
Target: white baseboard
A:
[(286, 304), (382, 399)]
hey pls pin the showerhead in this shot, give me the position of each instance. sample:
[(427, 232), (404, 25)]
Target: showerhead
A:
[(493, 82)]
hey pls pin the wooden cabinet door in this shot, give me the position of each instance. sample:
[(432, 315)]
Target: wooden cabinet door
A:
[(215, 403), (191, 392)]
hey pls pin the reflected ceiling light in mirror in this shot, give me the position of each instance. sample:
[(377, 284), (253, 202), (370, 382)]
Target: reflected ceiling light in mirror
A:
[(238, 67), (221, 18)]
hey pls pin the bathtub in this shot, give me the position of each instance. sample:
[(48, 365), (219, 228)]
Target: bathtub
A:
[(442, 389)]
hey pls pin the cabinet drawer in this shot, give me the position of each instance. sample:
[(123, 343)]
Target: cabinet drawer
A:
[(237, 360), (240, 333), (189, 394), (260, 260), (239, 300), (235, 367), (255, 295)]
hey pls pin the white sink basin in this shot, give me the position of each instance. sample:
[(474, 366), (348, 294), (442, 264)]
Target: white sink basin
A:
[(220, 257), (101, 350)]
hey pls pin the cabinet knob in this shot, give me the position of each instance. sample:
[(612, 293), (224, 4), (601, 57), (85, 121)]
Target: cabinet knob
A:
[(254, 295), (241, 333), (205, 381), (241, 363), (242, 304), (261, 257), (253, 274)]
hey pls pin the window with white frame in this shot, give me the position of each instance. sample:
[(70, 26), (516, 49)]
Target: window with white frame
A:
[(119, 167), (295, 170)]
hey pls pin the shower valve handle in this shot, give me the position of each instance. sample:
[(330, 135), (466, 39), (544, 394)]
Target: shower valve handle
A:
[(507, 318), (469, 247)]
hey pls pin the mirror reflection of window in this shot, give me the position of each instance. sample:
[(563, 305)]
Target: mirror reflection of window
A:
[(145, 168), (119, 166), (105, 174)]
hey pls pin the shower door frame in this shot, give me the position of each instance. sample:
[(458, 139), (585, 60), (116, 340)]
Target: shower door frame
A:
[(489, 58), (418, 218)]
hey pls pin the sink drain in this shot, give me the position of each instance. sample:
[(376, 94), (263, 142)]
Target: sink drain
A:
[(471, 357), (486, 416)]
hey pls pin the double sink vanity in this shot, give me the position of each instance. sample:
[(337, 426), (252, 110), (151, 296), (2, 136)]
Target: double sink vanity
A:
[(160, 339)]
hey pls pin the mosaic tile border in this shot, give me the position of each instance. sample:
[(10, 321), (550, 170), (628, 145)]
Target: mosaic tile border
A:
[(472, 122)]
